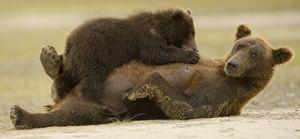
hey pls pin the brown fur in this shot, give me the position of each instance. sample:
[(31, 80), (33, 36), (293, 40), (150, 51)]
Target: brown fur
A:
[(210, 88), (98, 46)]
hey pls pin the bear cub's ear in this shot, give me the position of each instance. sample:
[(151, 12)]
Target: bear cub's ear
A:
[(177, 15), (189, 11), (242, 31), (282, 55)]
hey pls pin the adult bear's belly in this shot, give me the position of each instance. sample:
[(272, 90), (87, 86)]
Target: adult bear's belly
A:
[(179, 77), (126, 77)]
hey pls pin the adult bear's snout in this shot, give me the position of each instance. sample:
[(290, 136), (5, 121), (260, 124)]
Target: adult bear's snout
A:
[(232, 66)]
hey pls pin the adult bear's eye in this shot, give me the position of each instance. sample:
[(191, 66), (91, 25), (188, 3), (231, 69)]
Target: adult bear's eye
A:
[(240, 46), (254, 55)]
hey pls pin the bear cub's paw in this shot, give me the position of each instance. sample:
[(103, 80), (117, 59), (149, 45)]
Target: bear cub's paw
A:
[(50, 61), (193, 58)]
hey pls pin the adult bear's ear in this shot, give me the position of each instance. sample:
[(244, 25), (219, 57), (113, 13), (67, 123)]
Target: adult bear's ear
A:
[(242, 31), (177, 15), (282, 55)]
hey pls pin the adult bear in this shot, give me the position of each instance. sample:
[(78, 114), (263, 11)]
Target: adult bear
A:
[(211, 88), (98, 46)]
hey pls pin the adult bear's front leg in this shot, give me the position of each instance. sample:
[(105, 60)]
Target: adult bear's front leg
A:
[(173, 102), (152, 85), (170, 100)]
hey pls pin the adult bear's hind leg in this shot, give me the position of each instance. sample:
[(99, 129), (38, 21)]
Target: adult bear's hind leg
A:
[(68, 113)]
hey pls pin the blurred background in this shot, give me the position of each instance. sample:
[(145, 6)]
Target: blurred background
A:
[(25, 26)]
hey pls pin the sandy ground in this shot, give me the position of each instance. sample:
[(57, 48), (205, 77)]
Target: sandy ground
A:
[(253, 123)]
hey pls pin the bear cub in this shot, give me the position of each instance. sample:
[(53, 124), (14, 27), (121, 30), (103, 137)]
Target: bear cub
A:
[(99, 45)]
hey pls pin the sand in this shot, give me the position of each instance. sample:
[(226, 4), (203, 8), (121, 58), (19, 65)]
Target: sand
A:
[(272, 122)]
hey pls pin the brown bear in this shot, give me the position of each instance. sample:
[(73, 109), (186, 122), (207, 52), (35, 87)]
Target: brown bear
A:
[(211, 88), (99, 45)]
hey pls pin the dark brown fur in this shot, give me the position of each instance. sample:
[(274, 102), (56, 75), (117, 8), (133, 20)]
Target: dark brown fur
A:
[(98, 46), (210, 88)]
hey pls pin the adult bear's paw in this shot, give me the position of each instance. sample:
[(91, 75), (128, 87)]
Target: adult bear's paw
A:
[(50, 61), (147, 90), (17, 116)]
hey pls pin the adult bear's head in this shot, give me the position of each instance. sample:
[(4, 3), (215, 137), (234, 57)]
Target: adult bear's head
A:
[(253, 56)]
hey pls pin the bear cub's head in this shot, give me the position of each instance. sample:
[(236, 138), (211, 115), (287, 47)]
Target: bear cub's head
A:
[(176, 27), (253, 56)]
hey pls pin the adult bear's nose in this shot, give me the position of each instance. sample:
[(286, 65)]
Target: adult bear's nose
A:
[(232, 65)]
